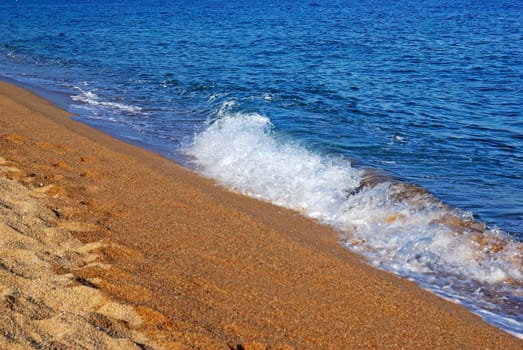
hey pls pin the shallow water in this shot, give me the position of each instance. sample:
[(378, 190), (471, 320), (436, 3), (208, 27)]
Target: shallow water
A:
[(293, 102)]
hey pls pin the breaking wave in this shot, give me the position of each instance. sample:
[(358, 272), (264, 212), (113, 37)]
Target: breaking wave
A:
[(399, 227)]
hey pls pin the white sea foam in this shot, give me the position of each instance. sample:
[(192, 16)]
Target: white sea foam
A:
[(399, 227), (93, 99), (240, 151), (411, 231)]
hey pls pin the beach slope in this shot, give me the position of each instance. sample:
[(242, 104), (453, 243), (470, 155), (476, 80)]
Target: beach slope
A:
[(106, 245)]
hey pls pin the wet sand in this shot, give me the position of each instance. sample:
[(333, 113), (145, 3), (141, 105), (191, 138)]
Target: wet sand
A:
[(105, 245)]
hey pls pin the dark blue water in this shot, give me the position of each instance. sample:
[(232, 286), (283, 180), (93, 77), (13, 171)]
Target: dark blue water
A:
[(430, 92)]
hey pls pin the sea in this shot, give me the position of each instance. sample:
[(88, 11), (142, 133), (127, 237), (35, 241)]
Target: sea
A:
[(398, 123)]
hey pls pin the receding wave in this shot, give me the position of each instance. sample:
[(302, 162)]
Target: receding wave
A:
[(400, 227), (92, 99)]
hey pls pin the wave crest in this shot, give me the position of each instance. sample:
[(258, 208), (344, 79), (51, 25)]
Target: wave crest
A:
[(399, 227)]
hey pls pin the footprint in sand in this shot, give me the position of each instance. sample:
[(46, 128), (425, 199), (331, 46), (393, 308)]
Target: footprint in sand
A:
[(42, 306)]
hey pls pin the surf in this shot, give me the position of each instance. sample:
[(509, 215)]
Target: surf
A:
[(400, 227)]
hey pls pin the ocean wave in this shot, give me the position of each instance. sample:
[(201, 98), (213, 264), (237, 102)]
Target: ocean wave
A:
[(92, 99), (400, 227)]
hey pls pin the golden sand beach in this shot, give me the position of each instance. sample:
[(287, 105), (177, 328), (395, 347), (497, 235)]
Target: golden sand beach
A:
[(104, 245)]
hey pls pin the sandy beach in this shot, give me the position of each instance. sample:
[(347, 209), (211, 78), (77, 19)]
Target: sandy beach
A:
[(105, 245)]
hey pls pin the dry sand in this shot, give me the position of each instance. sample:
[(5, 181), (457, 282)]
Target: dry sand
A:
[(105, 245)]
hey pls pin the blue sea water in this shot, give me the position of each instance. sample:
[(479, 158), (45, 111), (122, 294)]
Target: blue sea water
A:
[(342, 110)]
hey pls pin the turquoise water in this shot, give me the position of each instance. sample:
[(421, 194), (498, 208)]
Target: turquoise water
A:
[(331, 108)]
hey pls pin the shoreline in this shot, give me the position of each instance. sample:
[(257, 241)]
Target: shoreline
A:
[(202, 266)]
